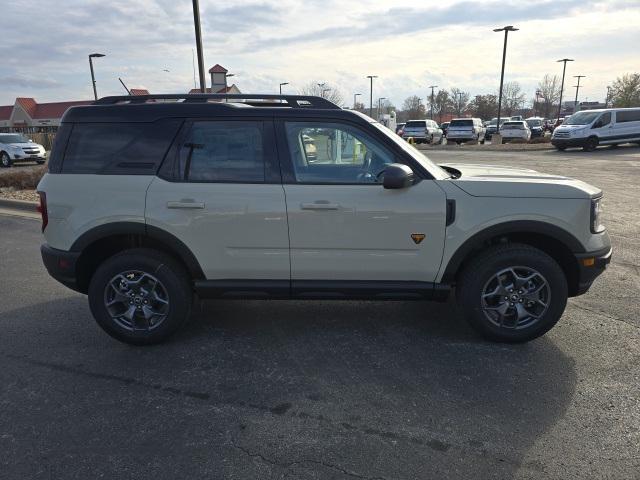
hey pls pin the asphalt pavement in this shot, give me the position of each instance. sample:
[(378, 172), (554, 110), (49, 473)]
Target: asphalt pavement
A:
[(328, 389)]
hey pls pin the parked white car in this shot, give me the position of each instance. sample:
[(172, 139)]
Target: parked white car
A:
[(422, 131), (15, 147), (466, 130), (590, 128), (512, 130)]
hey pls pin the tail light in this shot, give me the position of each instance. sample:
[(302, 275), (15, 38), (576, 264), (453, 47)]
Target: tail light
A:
[(42, 208)]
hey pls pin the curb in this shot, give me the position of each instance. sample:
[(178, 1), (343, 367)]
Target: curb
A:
[(20, 205)]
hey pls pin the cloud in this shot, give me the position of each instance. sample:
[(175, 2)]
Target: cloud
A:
[(27, 82)]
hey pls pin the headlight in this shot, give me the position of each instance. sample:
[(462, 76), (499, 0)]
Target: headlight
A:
[(596, 215)]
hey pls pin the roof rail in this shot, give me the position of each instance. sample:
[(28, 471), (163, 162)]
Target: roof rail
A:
[(293, 101)]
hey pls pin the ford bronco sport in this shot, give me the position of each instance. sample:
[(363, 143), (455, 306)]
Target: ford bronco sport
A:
[(151, 200)]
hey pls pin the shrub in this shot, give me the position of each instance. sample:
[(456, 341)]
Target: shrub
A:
[(20, 179)]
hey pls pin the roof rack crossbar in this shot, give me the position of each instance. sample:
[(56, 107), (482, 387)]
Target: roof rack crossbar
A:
[(293, 101)]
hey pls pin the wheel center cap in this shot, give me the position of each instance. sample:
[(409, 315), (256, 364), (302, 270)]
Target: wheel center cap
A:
[(514, 297)]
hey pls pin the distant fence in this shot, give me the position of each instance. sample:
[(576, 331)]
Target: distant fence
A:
[(44, 139)]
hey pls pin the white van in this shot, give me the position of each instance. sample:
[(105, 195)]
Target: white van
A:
[(590, 128)]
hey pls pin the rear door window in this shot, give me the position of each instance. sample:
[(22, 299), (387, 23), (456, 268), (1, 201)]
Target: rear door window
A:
[(461, 123), (416, 124), (627, 116)]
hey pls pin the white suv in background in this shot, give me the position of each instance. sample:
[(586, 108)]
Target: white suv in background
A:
[(466, 130), (515, 130), (422, 131), (15, 147), (147, 204)]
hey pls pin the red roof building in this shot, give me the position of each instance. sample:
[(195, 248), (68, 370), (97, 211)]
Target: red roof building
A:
[(27, 113)]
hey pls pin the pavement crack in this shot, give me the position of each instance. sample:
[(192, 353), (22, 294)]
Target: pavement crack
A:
[(289, 465), (605, 315)]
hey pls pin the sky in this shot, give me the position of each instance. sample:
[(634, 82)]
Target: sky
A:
[(409, 45)]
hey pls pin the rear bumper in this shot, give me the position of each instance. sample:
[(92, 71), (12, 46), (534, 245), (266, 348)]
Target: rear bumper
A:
[(590, 266), (61, 265)]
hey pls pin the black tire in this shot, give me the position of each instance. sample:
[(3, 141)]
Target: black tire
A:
[(5, 160), (173, 280), (591, 145), (483, 269)]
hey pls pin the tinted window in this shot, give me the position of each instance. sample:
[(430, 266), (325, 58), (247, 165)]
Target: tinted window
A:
[(335, 153), (604, 120), (461, 123), (223, 152), (118, 148), (628, 116), (13, 138), (416, 124)]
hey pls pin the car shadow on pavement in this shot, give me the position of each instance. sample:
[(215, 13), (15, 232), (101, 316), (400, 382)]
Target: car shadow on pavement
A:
[(310, 389)]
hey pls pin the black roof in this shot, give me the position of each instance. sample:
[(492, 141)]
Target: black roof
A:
[(149, 108)]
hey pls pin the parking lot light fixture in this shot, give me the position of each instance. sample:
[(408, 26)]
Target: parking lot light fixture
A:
[(432, 98), (564, 69), (355, 95), (371, 77), (379, 100), (93, 77), (282, 85), (506, 30)]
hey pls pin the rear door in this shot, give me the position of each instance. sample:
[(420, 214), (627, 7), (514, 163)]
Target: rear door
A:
[(221, 195)]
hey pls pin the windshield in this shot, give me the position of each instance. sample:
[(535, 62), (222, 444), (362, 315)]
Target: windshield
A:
[(581, 118), (437, 172), (513, 125), (461, 123), (416, 124), (14, 138)]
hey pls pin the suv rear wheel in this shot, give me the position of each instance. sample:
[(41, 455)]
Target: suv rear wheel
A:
[(140, 296), (512, 293)]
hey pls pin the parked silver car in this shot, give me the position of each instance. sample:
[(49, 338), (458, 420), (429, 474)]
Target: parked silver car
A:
[(422, 131)]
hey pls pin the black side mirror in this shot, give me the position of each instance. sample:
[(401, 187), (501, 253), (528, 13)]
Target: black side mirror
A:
[(397, 175)]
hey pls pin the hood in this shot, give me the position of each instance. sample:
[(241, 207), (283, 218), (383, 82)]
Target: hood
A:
[(514, 182), (24, 144)]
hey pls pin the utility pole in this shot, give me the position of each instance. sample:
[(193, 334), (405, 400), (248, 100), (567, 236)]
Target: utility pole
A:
[(282, 85), (379, 99), (506, 30), (354, 99), (196, 24), (432, 98), (606, 102), (564, 69), (371, 77), (575, 103), (460, 103)]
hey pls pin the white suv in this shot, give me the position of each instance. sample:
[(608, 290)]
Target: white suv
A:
[(15, 147), (422, 131), (147, 203), (466, 130)]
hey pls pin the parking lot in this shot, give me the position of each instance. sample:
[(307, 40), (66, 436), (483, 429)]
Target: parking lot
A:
[(342, 389)]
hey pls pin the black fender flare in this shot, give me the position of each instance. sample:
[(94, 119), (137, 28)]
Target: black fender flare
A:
[(520, 227)]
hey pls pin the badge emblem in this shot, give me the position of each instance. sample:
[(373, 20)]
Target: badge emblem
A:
[(417, 237)]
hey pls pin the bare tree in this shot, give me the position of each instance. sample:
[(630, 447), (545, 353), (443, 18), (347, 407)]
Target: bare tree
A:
[(459, 100), (442, 104), (625, 91), (325, 90), (512, 97), (549, 89), (413, 108)]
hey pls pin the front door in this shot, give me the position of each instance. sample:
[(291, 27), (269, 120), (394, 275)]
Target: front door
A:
[(343, 225), (226, 201)]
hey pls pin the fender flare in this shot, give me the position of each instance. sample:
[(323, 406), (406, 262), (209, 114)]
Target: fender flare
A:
[(479, 239)]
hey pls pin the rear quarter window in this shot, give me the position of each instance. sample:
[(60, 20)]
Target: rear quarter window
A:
[(628, 116), (118, 148)]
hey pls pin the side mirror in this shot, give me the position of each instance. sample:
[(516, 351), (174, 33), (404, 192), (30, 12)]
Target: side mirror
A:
[(397, 175)]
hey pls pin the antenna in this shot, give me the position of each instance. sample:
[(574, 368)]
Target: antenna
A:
[(125, 87)]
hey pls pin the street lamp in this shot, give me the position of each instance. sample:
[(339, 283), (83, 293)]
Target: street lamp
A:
[(371, 77), (354, 99), (564, 69), (506, 30), (606, 102), (196, 24), (93, 77), (575, 103), (432, 100), (282, 85), (379, 99), (460, 103)]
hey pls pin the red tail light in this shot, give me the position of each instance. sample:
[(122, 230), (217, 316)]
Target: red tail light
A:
[(42, 208)]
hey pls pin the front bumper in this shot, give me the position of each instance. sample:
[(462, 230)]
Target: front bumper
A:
[(590, 266), (567, 142), (61, 265)]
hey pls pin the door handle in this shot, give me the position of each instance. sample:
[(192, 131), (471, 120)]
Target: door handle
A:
[(319, 205), (185, 204)]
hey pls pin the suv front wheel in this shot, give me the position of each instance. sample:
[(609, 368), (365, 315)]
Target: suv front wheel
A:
[(140, 296), (512, 293)]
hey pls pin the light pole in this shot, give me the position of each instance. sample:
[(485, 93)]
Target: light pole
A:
[(93, 77), (354, 99), (432, 98), (606, 102), (460, 103), (575, 103), (371, 77), (196, 24), (282, 85), (564, 69), (379, 99), (536, 108), (506, 30)]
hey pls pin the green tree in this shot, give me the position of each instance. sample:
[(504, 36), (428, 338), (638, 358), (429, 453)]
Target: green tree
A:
[(625, 91)]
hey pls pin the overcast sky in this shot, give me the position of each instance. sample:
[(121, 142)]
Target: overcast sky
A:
[(409, 45)]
